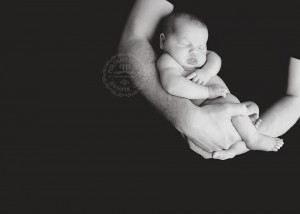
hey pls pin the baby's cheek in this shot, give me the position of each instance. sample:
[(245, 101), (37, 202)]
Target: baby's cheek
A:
[(181, 55)]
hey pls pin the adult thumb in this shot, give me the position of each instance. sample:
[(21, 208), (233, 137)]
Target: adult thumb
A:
[(236, 109)]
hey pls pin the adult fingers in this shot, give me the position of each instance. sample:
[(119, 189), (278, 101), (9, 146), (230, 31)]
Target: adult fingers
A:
[(199, 150), (235, 109)]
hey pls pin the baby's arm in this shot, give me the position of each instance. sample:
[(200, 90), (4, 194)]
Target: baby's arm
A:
[(210, 68), (174, 83), (213, 64)]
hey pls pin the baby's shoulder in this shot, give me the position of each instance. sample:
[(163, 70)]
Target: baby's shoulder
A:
[(166, 61)]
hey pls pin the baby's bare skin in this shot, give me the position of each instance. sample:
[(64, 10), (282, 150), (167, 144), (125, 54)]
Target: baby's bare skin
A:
[(253, 139)]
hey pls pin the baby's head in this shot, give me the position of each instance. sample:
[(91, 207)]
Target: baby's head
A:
[(184, 37)]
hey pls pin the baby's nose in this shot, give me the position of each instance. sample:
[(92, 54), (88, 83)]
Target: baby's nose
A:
[(193, 51)]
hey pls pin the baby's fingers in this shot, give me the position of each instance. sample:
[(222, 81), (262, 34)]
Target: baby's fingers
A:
[(191, 76), (196, 79), (200, 82)]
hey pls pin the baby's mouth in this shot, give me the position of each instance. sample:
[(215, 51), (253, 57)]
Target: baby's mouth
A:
[(192, 61)]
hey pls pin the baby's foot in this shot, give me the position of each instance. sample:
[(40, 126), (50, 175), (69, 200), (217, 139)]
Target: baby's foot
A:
[(265, 143), (235, 149), (224, 154)]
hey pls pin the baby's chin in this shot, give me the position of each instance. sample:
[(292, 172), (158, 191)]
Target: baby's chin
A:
[(188, 67), (191, 65)]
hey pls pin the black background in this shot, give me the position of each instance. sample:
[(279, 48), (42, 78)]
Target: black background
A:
[(68, 144)]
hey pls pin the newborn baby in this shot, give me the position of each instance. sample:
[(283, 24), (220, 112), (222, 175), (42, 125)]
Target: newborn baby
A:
[(187, 69)]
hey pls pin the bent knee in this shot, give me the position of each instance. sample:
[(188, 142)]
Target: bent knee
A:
[(252, 107)]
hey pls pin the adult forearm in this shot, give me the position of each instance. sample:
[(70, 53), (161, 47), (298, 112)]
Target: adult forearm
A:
[(174, 109), (281, 116), (138, 31)]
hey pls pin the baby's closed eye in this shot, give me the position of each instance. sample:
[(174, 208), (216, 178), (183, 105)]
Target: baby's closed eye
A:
[(183, 42), (202, 47)]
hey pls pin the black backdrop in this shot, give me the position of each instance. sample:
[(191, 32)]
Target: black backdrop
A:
[(69, 144)]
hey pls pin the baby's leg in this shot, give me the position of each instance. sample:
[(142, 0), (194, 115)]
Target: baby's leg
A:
[(253, 139), (235, 149)]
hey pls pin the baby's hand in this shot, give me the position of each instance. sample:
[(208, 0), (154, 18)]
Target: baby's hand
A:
[(199, 76), (215, 91)]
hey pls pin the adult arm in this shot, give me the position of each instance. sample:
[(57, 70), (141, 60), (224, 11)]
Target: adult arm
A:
[(283, 114), (210, 128)]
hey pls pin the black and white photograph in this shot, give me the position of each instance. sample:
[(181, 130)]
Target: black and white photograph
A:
[(150, 106)]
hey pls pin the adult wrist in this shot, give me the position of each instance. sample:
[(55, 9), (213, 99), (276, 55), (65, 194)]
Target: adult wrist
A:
[(184, 121)]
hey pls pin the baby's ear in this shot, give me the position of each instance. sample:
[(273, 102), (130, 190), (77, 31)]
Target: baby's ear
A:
[(161, 40)]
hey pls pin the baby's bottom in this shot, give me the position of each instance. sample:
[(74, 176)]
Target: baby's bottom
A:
[(253, 139)]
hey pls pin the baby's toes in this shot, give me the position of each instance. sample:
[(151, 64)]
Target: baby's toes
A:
[(278, 145)]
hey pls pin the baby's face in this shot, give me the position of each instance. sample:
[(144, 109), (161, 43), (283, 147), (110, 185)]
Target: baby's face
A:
[(187, 44)]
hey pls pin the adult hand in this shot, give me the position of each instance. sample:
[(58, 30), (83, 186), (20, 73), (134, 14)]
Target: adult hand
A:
[(210, 129)]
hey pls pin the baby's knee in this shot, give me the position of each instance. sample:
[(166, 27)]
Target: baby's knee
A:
[(252, 107), (251, 104)]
